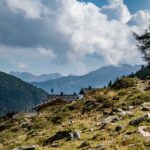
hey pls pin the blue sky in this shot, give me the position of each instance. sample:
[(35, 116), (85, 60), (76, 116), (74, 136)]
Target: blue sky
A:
[(133, 5), (69, 36)]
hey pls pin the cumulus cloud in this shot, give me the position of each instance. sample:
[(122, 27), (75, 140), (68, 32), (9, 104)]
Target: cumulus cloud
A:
[(116, 10), (70, 30), (32, 9), (139, 21)]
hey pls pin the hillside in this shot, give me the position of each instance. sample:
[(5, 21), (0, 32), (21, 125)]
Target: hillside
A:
[(28, 77), (16, 95), (114, 118), (143, 73), (98, 78)]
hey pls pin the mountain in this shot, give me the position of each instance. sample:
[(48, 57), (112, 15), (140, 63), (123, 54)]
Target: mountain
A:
[(97, 78), (28, 77), (17, 95)]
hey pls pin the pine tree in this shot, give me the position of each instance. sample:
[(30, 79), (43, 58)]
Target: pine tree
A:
[(110, 83), (144, 45)]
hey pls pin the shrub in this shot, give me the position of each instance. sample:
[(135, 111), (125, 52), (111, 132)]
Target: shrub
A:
[(125, 83)]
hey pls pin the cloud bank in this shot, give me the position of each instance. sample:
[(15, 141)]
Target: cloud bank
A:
[(69, 31)]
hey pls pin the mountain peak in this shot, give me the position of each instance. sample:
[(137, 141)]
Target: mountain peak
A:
[(28, 77)]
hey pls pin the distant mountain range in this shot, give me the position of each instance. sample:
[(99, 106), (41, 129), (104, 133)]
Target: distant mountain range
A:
[(97, 78), (17, 95), (28, 77)]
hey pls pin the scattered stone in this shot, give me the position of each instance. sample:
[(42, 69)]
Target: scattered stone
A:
[(68, 135), (115, 119), (118, 128), (109, 120), (139, 120), (26, 148), (117, 110), (26, 124), (131, 107), (58, 136), (55, 145), (145, 108), (84, 144), (74, 135), (91, 129), (143, 131), (126, 113), (100, 147), (122, 112)]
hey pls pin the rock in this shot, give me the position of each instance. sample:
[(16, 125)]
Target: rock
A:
[(126, 113), (117, 110), (26, 124), (143, 130), (115, 119), (74, 135), (58, 136), (145, 108), (68, 135), (118, 128), (55, 145), (109, 120), (91, 129), (131, 107), (139, 120), (100, 147), (26, 148), (84, 144), (122, 112)]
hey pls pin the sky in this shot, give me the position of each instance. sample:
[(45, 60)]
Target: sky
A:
[(70, 36)]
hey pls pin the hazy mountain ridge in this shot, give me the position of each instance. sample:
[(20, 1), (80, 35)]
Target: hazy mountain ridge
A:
[(17, 95), (96, 78), (28, 77)]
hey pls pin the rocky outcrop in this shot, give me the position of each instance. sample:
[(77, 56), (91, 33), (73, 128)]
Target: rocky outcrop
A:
[(144, 131), (137, 121), (25, 148), (146, 107), (68, 135)]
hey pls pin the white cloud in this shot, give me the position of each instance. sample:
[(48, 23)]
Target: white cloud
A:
[(47, 53), (140, 21), (70, 30), (32, 9), (116, 10), (90, 32), (30, 53)]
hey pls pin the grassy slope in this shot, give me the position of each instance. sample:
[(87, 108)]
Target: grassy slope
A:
[(93, 106)]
